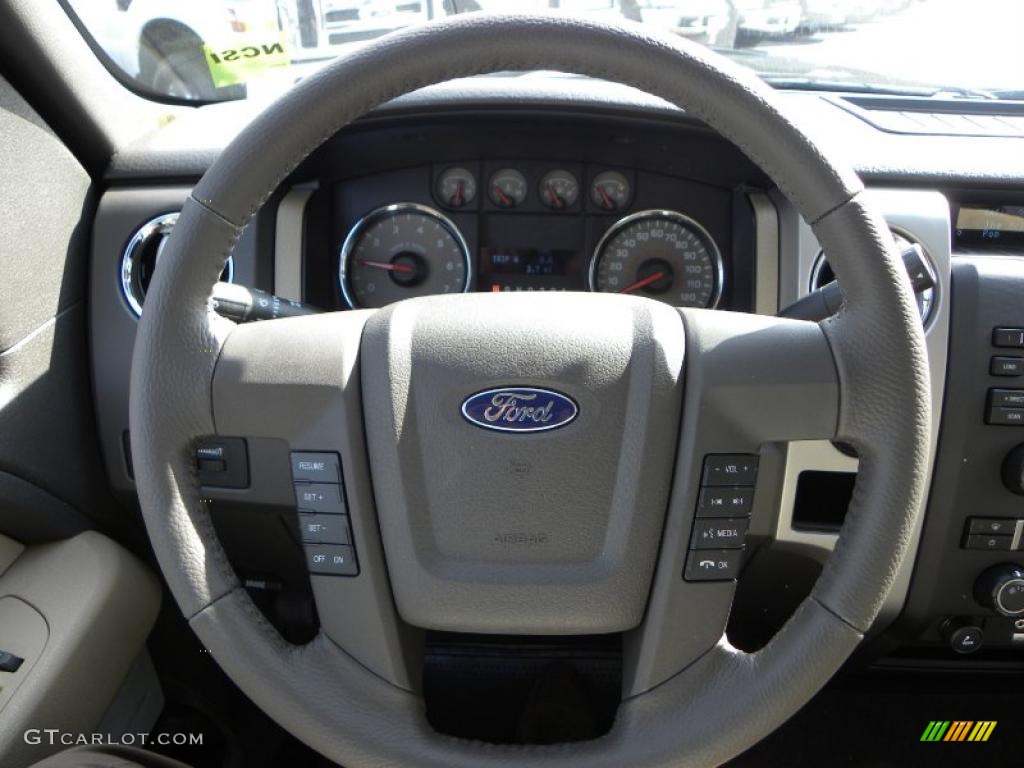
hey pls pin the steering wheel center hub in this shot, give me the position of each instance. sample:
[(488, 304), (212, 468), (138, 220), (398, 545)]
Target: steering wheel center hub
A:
[(548, 519)]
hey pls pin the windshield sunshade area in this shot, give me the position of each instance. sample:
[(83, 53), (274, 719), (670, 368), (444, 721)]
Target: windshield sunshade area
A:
[(215, 50)]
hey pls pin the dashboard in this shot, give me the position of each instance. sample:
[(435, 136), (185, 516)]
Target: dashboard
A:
[(544, 218), (456, 195)]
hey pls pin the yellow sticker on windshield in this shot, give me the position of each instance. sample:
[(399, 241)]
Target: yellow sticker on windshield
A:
[(241, 63)]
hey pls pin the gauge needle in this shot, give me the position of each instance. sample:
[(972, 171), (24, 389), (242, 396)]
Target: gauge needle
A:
[(606, 200), (402, 268), (643, 282), (556, 201), (457, 198), (504, 199)]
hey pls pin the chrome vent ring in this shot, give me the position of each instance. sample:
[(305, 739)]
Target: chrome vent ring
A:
[(822, 274), (140, 257)]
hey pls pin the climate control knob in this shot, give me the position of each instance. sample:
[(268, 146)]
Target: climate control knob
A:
[(1001, 588)]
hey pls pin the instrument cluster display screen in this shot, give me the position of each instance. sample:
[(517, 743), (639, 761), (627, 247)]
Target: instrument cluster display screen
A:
[(534, 262), (990, 226), (531, 253)]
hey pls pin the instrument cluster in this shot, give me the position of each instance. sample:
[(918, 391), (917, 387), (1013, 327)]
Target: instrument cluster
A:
[(533, 227)]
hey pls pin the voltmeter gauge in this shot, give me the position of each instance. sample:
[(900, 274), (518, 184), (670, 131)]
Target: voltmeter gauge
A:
[(456, 187)]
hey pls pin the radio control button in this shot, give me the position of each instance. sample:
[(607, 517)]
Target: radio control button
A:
[(720, 533), (1007, 366), (1008, 337), (725, 502), (726, 469)]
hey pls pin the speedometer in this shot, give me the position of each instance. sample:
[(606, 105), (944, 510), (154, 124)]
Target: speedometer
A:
[(400, 251), (663, 255)]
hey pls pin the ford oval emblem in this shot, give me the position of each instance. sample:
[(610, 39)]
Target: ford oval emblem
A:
[(519, 409)]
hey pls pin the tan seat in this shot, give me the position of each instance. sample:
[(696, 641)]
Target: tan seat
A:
[(108, 757)]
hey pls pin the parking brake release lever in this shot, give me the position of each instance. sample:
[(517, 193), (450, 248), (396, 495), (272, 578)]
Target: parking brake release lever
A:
[(247, 305), (827, 300)]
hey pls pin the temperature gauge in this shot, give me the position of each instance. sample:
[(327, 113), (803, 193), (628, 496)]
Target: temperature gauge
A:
[(507, 188), (559, 189), (456, 187), (610, 191)]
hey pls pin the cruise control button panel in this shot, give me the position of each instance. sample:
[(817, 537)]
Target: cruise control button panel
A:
[(323, 515)]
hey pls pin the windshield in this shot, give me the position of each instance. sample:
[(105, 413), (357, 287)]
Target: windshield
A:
[(211, 50)]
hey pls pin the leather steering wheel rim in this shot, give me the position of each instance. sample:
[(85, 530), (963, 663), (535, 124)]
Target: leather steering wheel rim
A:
[(726, 700)]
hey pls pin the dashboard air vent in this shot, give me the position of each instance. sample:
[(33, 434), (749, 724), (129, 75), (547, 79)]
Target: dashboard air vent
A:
[(946, 118), (141, 255), (822, 274)]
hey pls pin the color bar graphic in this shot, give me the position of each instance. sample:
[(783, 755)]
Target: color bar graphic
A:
[(958, 730)]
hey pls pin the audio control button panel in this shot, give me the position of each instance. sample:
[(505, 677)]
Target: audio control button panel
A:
[(722, 517)]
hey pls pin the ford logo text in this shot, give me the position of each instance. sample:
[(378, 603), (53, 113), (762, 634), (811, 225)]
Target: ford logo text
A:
[(519, 409)]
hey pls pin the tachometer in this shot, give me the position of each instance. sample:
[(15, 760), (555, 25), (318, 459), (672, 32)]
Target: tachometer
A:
[(400, 251), (663, 255)]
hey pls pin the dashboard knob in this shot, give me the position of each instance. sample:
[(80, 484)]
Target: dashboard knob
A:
[(963, 635), (1013, 470), (1001, 588)]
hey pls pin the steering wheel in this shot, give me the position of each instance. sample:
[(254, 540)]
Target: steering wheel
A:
[(605, 503)]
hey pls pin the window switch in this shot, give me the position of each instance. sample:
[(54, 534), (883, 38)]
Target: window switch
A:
[(9, 662)]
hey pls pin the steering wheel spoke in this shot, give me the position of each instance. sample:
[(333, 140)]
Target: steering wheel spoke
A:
[(751, 381), (292, 386)]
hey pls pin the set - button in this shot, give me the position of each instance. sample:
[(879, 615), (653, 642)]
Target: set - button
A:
[(722, 517), (323, 515)]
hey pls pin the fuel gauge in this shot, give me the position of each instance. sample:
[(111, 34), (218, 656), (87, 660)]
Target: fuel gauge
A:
[(610, 191), (559, 189), (456, 187)]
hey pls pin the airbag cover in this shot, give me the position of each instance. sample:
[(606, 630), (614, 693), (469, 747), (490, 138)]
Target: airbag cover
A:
[(542, 531)]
